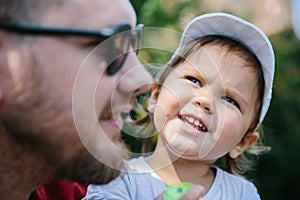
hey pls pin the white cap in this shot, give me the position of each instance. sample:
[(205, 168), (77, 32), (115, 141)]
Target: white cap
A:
[(247, 34)]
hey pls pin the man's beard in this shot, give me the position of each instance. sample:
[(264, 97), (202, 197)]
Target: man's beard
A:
[(85, 169), (36, 129)]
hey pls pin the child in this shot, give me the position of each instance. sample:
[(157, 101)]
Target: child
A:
[(207, 104)]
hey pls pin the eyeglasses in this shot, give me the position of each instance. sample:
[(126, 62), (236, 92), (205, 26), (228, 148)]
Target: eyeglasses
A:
[(122, 39)]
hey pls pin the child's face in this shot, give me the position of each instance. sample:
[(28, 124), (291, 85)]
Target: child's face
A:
[(206, 106)]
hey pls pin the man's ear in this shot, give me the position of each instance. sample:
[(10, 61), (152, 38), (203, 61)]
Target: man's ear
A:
[(3, 67), (248, 141), (153, 98), (1, 98)]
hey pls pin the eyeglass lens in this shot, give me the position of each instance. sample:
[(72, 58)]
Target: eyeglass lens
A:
[(121, 43)]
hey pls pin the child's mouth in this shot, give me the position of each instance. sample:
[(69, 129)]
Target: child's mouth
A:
[(196, 123)]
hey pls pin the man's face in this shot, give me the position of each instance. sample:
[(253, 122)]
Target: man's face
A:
[(66, 99)]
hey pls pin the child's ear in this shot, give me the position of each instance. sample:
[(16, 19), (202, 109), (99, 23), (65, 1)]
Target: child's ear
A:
[(248, 141), (153, 98)]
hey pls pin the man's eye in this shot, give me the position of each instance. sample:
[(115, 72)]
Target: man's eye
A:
[(231, 101), (92, 43), (194, 80)]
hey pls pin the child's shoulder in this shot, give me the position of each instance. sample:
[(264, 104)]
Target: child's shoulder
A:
[(138, 165), (226, 176), (135, 182), (232, 187)]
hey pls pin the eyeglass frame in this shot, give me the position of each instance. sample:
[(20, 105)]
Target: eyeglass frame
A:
[(31, 29)]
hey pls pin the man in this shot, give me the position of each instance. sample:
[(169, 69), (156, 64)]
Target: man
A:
[(48, 68), (63, 86)]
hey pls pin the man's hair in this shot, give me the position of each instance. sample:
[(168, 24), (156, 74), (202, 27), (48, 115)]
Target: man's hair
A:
[(24, 10)]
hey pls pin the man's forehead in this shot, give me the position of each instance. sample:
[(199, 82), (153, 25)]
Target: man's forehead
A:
[(90, 14)]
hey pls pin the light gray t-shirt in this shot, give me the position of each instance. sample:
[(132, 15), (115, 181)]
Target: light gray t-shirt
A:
[(140, 182)]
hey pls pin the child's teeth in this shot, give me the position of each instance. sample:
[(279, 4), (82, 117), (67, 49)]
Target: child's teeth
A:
[(195, 122), (191, 120)]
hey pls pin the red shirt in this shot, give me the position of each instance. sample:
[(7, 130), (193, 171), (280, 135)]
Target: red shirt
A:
[(60, 190)]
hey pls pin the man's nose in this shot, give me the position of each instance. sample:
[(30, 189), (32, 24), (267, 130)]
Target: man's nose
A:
[(135, 78)]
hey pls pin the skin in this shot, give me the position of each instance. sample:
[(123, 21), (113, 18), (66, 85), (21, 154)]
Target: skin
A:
[(198, 88), (39, 138)]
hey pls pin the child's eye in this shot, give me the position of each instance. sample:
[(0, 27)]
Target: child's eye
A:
[(231, 101), (194, 80)]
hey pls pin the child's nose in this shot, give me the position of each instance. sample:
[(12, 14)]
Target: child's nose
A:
[(205, 102)]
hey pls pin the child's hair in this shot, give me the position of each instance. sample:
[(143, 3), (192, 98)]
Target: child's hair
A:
[(244, 162)]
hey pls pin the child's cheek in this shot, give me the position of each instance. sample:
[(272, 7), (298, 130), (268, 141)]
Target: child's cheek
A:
[(166, 108), (159, 117)]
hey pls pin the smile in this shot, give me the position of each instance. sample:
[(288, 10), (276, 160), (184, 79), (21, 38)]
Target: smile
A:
[(194, 122)]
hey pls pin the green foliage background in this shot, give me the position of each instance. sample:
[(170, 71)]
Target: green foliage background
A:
[(277, 174)]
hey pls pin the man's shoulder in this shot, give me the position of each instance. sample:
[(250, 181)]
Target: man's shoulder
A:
[(60, 190)]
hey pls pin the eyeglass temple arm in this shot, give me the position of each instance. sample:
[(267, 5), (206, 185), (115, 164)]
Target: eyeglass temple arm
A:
[(41, 30)]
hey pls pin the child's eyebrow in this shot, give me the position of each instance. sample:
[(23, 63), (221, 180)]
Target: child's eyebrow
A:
[(192, 68)]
